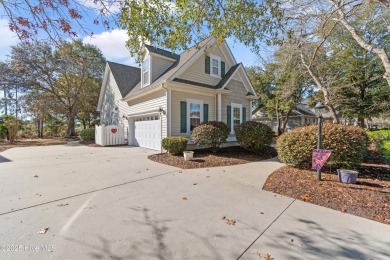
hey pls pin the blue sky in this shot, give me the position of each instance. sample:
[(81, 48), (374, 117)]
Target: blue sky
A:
[(112, 44)]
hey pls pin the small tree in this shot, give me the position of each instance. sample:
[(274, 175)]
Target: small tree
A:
[(212, 134), (12, 125)]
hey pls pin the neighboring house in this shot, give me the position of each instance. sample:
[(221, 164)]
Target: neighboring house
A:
[(301, 115), (175, 93)]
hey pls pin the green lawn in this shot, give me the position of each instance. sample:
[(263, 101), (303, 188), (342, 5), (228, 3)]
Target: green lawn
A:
[(379, 135), (385, 149)]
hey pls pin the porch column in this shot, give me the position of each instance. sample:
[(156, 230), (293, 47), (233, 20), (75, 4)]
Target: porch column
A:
[(219, 107)]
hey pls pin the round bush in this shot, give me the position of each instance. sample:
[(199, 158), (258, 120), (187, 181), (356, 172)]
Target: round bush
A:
[(87, 134), (174, 144), (348, 144), (254, 136), (212, 134)]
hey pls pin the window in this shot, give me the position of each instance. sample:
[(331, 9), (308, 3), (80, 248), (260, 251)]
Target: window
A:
[(194, 113), (215, 65), (145, 72), (236, 115)]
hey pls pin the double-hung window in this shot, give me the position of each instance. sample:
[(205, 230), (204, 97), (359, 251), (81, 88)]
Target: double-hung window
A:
[(145, 72), (195, 113), (215, 65), (236, 115)]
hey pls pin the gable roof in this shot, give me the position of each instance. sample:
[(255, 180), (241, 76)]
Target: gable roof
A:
[(126, 77), (182, 59), (298, 110), (162, 52)]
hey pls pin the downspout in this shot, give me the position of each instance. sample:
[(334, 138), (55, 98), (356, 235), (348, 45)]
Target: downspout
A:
[(168, 113)]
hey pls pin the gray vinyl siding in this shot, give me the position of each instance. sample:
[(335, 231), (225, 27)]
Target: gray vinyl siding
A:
[(237, 96), (150, 102), (197, 70), (159, 65), (112, 98), (176, 97)]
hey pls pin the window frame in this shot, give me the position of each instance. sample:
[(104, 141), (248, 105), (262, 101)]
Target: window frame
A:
[(234, 105), (189, 102), (148, 71), (217, 58)]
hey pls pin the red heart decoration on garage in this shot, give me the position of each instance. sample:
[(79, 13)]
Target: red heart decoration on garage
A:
[(113, 130)]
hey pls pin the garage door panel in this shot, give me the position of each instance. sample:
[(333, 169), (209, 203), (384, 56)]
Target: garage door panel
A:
[(148, 134)]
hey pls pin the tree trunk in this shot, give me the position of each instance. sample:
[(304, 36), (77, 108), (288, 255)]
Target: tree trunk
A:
[(71, 124), (285, 121), (323, 89), (361, 122), (369, 47)]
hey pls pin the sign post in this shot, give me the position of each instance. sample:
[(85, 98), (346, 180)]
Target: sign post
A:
[(319, 159)]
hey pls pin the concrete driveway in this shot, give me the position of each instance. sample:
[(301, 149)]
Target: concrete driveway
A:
[(113, 203)]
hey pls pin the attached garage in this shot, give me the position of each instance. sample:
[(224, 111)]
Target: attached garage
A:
[(145, 131)]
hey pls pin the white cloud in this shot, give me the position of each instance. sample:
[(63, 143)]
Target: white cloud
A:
[(113, 46), (9, 37)]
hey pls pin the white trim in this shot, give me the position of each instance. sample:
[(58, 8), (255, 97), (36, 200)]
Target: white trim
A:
[(230, 52), (169, 108), (149, 71), (141, 95), (219, 106), (188, 88), (234, 105), (250, 84), (217, 58), (103, 88), (189, 62), (193, 101)]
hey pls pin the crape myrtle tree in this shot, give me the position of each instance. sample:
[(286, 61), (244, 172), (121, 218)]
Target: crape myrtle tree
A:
[(71, 72)]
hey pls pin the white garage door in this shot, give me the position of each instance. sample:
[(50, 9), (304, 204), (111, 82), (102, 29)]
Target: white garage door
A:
[(148, 133)]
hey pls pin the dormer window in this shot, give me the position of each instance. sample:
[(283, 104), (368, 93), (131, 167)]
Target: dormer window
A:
[(146, 72), (215, 66)]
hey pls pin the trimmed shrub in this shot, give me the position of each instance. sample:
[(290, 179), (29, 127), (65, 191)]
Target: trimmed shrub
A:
[(174, 144), (348, 144), (254, 136), (212, 134), (87, 134)]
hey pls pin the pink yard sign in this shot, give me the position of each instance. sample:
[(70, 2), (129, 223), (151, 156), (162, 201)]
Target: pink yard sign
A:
[(319, 158)]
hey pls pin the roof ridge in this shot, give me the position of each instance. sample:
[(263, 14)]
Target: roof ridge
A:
[(198, 43), (122, 64)]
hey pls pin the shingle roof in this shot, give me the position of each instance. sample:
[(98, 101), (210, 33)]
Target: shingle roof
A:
[(180, 61), (126, 77), (162, 52), (220, 84), (227, 76)]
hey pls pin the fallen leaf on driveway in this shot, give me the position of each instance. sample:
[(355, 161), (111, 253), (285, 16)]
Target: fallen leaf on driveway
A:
[(223, 217), (43, 230), (230, 222), (62, 205), (262, 213), (36, 176), (195, 184), (268, 257), (306, 197), (184, 198), (257, 253)]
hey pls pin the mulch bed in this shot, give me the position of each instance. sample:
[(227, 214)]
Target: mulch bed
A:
[(205, 158), (368, 198)]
